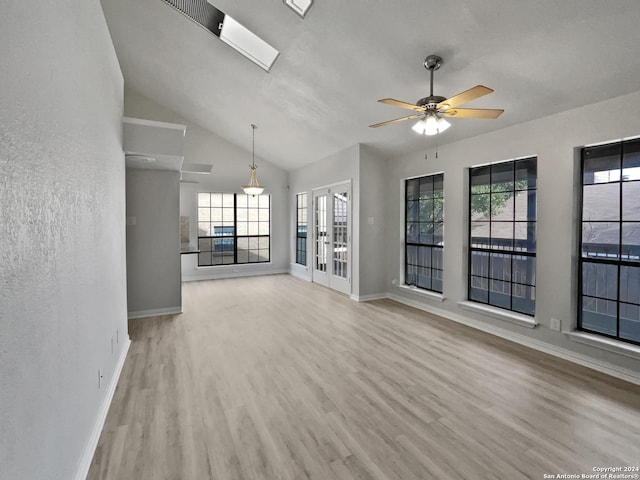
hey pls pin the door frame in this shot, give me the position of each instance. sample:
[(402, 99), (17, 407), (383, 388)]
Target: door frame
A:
[(328, 278)]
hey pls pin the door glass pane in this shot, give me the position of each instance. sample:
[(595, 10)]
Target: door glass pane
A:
[(340, 233), (321, 233)]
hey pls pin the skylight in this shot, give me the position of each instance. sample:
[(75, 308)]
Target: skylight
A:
[(299, 6), (229, 30), (247, 43)]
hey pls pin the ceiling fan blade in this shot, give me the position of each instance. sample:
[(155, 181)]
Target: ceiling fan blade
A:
[(473, 112), (401, 104), (389, 122), (464, 97)]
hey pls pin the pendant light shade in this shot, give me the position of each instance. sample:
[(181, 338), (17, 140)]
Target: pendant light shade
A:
[(253, 188)]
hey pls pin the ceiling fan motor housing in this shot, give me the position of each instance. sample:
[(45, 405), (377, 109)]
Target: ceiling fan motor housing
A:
[(431, 102)]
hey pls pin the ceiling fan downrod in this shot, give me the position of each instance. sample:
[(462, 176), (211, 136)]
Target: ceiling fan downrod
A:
[(431, 63)]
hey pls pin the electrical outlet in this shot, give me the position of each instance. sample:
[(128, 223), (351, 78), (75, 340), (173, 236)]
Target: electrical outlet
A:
[(555, 324), (394, 281)]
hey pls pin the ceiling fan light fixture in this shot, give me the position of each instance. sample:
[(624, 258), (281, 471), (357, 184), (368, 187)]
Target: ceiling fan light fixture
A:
[(442, 124), (419, 126), (432, 124)]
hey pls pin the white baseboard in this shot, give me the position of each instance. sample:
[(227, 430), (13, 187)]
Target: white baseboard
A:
[(300, 271), (154, 313), (92, 443), (227, 274), (368, 298), (593, 363)]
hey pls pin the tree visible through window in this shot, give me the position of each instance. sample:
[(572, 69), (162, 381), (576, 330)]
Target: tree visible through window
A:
[(502, 235), (609, 297), (233, 228), (424, 237)]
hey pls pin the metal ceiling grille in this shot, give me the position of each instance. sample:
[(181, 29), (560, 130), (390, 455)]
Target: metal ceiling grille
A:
[(201, 12)]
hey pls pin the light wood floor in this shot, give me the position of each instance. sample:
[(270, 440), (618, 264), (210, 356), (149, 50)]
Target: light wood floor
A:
[(275, 378)]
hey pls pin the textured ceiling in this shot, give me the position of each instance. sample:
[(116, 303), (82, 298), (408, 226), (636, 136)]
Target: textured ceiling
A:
[(540, 57)]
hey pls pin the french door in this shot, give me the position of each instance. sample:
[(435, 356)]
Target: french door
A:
[(332, 237)]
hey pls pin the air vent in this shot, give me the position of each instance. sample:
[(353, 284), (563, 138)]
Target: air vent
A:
[(201, 12), (229, 30)]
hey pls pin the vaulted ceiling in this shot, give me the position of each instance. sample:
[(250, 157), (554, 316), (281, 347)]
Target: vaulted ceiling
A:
[(321, 94)]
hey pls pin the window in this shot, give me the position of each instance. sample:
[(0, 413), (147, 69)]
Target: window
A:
[(502, 231), (609, 268), (233, 228), (424, 241), (301, 228)]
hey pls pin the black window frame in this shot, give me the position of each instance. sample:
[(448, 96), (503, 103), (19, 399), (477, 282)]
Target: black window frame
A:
[(233, 237), (301, 237), (526, 252), (607, 256), (432, 252)]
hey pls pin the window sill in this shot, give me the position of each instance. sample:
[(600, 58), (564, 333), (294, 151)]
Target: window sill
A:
[(229, 266), (604, 343), (437, 297), (505, 315)]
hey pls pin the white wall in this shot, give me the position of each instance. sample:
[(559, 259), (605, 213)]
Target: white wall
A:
[(553, 140), (62, 231), (153, 242), (230, 172)]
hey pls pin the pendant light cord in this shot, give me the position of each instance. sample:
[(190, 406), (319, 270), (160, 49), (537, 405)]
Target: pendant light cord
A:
[(253, 146)]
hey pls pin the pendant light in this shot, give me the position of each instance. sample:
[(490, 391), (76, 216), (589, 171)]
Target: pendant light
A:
[(254, 188)]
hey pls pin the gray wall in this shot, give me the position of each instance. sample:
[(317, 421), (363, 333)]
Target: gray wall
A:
[(554, 140), (368, 174), (339, 167), (230, 171), (62, 231), (153, 242), (373, 224)]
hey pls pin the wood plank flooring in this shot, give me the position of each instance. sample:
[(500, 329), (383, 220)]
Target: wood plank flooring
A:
[(275, 378)]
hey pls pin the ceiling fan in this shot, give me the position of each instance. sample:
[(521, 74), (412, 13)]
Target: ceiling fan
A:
[(431, 110)]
